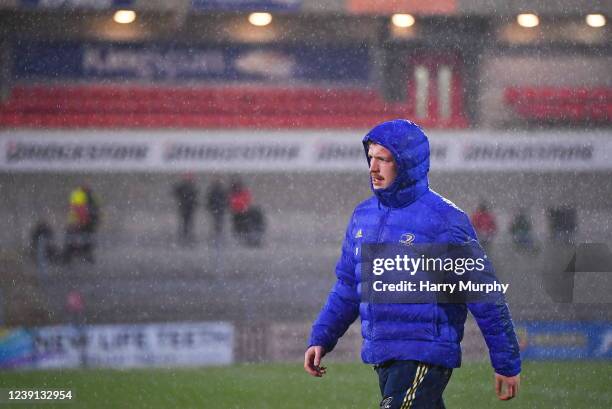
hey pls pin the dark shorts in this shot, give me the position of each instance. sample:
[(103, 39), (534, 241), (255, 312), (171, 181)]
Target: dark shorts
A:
[(412, 385)]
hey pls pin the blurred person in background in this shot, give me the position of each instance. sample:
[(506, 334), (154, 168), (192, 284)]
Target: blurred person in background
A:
[(83, 220), (249, 221), (42, 243), (522, 232), (93, 211), (484, 223), (414, 347), (240, 199), (75, 308), (563, 224), (186, 195), (216, 205)]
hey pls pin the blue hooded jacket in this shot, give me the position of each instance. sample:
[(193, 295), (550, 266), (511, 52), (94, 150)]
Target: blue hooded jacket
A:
[(429, 333)]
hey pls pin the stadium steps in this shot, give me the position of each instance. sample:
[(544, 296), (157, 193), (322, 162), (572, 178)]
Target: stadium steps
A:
[(143, 276), (22, 298)]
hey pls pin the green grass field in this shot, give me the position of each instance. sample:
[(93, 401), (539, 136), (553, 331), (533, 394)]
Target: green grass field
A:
[(544, 385)]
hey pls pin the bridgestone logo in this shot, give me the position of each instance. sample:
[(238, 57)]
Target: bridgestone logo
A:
[(171, 151), (337, 151), (182, 152), (354, 152), (529, 153), (74, 152)]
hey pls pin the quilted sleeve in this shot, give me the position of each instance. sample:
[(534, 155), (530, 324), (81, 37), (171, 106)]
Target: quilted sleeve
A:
[(493, 318), (342, 306)]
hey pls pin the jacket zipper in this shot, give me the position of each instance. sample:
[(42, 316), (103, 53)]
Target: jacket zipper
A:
[(382, 225)]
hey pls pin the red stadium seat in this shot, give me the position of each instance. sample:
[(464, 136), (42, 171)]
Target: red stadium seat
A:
[(120, 106), (577, 104)]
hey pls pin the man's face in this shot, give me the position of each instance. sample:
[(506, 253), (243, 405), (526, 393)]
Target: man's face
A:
[(382, 166)]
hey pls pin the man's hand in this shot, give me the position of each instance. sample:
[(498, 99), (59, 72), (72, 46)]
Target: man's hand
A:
[(507, 387), (312, 361)]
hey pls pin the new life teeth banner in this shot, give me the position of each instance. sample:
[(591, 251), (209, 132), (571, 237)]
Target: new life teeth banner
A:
[(118, 346)]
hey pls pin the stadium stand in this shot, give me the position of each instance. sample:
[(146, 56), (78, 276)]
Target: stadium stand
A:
[(561, 104), (202, 107), (140, 263), (471, 67)]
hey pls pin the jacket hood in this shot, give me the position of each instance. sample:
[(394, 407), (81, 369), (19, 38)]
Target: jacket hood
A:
[(410, 149)]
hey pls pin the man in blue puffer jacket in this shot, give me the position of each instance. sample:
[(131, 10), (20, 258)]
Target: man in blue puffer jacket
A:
[(413, 347)]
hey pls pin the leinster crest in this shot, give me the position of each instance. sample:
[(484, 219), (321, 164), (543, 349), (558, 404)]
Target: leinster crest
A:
[(407, 239)]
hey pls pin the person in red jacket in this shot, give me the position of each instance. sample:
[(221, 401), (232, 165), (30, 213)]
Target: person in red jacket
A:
[(240, 200), (240, 197), (484, 223)]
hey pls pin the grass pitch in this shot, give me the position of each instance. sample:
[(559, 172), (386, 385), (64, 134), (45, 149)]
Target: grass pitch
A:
[(572, 385)]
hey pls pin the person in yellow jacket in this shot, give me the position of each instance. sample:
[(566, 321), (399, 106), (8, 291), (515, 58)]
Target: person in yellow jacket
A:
[(78, 214), (83, 215)]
